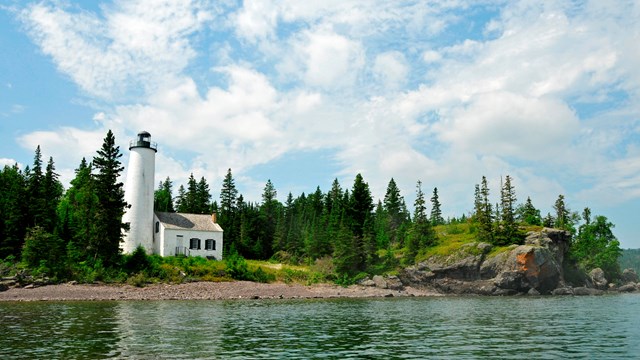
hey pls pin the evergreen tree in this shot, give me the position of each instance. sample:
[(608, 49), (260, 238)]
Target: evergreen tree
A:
[(508, 233), (181, 199), (562, 220), (528, 214), (421, 234), (78, 214), (37, 208), (483, 212), (13, 210), (395, 210), (595, 246), (202, 197), (110, 194), (52, 193), (228, 194), (436, 213), (360, 205), (163, 197)]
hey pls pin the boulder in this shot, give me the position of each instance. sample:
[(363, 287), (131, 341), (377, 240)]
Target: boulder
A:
[(3, 286), (367, 282), (533, 292), (528, 267), (394, 283), (380, 282), (598, 279), (629, 276), (585, 291), (630, 287), (562, 291)]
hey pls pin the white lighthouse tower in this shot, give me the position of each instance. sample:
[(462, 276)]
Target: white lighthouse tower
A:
[(139, 194)]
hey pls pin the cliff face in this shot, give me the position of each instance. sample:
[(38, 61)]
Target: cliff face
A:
[(535, 267)]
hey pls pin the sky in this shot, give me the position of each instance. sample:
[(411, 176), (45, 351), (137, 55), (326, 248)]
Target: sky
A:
[(304, 92)]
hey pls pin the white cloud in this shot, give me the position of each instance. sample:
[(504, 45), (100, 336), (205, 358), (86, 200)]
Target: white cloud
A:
[(307, 75), (324, 59), (136, 45), (392, 68), (8, 162)]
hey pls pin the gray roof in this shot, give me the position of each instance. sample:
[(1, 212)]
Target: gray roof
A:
[(196, 222)]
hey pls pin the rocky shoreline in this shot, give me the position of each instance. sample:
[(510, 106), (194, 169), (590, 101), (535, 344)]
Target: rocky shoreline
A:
[(534, 268), (202, 291)]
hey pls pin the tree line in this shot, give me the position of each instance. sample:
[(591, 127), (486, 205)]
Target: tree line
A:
[(59, 232), (56, 230)]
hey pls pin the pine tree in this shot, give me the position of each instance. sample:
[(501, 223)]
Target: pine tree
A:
[(528, 213), (52, 193), (228, 194), (484, 212), (13, 211), (37, 211), (562, 220), (436, 213), (360, 205), (395, 211), (508, 232), (421, 234), (110, 194), (163, 197), (202, 197)]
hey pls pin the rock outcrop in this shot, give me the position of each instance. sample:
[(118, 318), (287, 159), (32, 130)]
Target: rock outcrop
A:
[(629, 276), (533, 268), (598, 279)]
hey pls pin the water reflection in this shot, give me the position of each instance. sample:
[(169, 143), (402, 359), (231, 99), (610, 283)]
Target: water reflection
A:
[(468, 328)]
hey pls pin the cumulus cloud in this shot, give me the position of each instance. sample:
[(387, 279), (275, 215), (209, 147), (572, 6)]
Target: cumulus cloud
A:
[(136, 44), (386, 86)]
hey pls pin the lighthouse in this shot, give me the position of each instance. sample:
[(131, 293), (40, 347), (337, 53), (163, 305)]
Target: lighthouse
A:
[(139, 194)]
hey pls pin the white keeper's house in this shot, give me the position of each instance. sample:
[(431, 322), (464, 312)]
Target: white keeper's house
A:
[(162, 233)]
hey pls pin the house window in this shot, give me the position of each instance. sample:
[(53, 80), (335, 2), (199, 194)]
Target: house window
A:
[(194, 244), (157, 226), (209, 244)]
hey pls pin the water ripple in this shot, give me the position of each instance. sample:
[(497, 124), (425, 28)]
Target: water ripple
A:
[(441, 328)]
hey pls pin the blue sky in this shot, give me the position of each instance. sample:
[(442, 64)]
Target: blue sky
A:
[(304, 92)]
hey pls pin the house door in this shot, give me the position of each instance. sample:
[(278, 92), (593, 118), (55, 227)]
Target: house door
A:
[(180, 249)]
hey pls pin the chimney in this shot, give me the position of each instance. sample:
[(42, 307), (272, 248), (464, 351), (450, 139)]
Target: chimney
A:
[(214, 217)]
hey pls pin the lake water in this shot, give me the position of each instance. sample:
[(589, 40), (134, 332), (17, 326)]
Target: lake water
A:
[(603, 327)]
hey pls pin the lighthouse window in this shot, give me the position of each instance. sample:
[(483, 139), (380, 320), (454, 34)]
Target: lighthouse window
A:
[(157, 226), (209, 244), (194, 244)]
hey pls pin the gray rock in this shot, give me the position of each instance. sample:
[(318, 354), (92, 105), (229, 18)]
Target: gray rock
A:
[(562, 291), (628, 288), (585, 291), (629, 276), (394, 283), (367, 282), (533, 292), (505, 292), (380, 282), (598, 279)]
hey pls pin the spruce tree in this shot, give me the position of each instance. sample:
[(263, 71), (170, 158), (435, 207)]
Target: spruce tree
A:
[(110, 194), (202, 197), (163, 197), (52, 193), (421, 234), (484, 212), (13, 210), (436, 212), (562, 220), (508, 233), (528, 213)]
